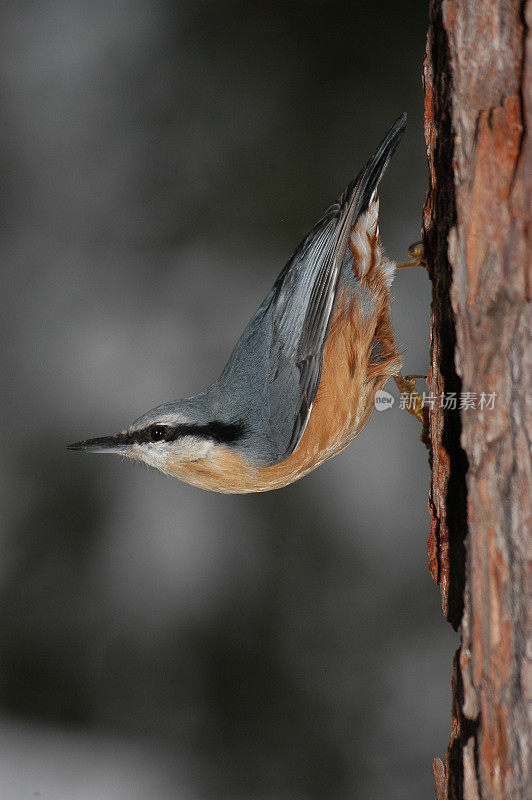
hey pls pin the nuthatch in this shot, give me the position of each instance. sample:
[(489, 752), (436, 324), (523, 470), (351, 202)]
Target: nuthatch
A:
[(301, 381)]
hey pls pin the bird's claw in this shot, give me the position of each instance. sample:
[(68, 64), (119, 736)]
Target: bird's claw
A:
[(413, 403), (416, 256)]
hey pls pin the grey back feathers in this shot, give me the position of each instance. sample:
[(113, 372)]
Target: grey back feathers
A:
[(270, 382)]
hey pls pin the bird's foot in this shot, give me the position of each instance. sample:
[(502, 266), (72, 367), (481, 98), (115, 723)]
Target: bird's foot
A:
[(413, 403), (416, 256)]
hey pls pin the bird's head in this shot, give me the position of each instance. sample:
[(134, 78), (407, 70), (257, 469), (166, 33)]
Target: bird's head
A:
[(178, 438)]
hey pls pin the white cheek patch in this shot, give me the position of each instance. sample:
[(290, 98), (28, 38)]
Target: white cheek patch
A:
[(183, 449)]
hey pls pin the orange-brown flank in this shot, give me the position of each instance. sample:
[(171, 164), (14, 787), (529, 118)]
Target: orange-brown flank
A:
[(343, 404)]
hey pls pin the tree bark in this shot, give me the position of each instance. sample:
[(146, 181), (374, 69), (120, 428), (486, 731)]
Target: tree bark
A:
[(477, 238)]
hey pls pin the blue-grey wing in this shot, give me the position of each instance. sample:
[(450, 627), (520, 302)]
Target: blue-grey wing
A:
[(282, 347), (301, 311), (304, 297)]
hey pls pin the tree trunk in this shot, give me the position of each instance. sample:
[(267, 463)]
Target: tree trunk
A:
[(477, 237)]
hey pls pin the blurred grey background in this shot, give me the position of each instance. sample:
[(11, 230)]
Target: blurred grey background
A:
[(161, 160)]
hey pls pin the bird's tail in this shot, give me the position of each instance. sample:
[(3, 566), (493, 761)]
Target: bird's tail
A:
[(364, 187)]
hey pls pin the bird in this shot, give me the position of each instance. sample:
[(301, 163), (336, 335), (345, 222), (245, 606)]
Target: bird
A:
[(301, 381)]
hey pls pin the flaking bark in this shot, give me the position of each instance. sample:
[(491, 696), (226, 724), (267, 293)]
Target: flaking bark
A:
[(478, 119)]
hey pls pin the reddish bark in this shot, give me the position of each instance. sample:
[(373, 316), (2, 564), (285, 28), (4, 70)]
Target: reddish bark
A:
[(478, 118)]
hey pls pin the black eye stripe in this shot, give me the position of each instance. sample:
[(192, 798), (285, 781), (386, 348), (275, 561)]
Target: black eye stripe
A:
[(221, 432)]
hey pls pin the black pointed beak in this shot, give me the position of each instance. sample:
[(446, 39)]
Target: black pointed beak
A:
[(102, 444)]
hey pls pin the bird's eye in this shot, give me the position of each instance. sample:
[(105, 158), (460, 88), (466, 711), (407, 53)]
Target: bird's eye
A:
[(157, 432)]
